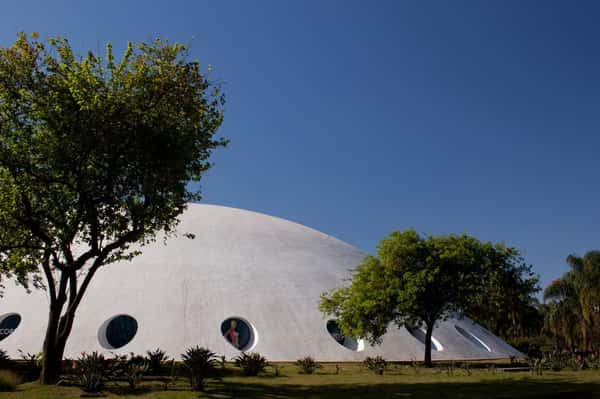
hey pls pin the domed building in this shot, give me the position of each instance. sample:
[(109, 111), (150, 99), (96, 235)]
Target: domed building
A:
[(246, 282)]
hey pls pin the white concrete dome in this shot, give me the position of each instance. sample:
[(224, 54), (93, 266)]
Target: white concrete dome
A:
[(266, 272)]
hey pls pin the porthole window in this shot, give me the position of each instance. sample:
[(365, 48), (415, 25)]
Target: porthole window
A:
[(420, 334), (117, 331), (472, 338), (333, 329), (239, 333), (8, 324)]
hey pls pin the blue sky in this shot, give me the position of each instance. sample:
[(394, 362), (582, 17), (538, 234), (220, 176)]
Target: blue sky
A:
[(358, 118)]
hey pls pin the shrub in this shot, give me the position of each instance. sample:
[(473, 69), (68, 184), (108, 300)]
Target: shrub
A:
[(376, 364), (132, 359), (133, 372), (251, 363), (156, 360), (94, 370), (531, 346), (8, 381), (32, 365), (201, 364), (536, 365), (172, 378), (32, 359), (308, 365), (5, 361)]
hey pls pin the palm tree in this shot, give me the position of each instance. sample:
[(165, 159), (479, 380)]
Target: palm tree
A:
[(577, 293)]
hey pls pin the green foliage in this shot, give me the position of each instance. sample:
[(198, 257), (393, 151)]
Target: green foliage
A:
[(133, 372), (95, 154), (573, 314), (530, 346), (156, 360), (201, 364), (508, 305), (5, 360), (8, 381), (417, 280), (251, 364), (32, 359), (376, 364), (94, 370), (308, 365)]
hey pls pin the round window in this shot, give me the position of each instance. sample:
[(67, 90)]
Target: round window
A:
[(117, 331), (8, 324), (333, 329), (239, 333)]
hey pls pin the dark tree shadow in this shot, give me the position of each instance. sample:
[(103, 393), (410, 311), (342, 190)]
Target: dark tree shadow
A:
[(496, 389)]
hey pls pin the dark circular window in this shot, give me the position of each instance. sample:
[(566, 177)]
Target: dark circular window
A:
[(8, 324), (334, 330), (238, 332), (117, 331)]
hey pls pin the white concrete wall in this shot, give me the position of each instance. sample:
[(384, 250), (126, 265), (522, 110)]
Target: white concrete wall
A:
[(267, 270)]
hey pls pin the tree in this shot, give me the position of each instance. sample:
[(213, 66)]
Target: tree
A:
[(416, 281), (95, 160), (509, 308), (576, 295)]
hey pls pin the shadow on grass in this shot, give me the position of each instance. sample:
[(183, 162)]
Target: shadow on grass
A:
[(504, 389)]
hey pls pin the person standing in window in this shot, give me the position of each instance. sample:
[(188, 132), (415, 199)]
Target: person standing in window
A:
[(232, 335)]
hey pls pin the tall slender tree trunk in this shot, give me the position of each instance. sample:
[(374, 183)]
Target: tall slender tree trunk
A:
[(52, 353), (57, 332), (585, 341), (428, 334)]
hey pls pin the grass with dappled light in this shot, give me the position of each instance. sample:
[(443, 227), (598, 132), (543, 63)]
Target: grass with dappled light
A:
[(354, 381)]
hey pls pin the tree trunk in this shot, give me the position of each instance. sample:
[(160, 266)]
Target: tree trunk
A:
[(584, 336), (428, 334), (59, 328), (52, 352)]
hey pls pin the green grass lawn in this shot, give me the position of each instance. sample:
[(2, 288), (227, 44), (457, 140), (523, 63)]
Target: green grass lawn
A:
[(356, 382)]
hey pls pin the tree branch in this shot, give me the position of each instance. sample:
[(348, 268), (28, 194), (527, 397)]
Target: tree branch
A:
[(49, 277), (130, 236)]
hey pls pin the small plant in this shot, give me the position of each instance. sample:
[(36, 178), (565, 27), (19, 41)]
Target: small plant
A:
[(308, 365), (415, 365), (172, 376), (223, 361), (133, 373), (94, 370), (251, 363), (32, 359), (578, 363), (156, 360), (376, 364), (555, 361), (467, 368), (536, 365), (33, 365), (201, 364), (450, 368), (5, 361), (8, 381)]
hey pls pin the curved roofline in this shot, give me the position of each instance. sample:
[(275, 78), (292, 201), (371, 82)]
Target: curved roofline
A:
[(283, 220)]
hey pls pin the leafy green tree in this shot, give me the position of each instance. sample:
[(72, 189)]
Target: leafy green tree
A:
[(576, 295), (416, 280), (95, 160), (509, 308)]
